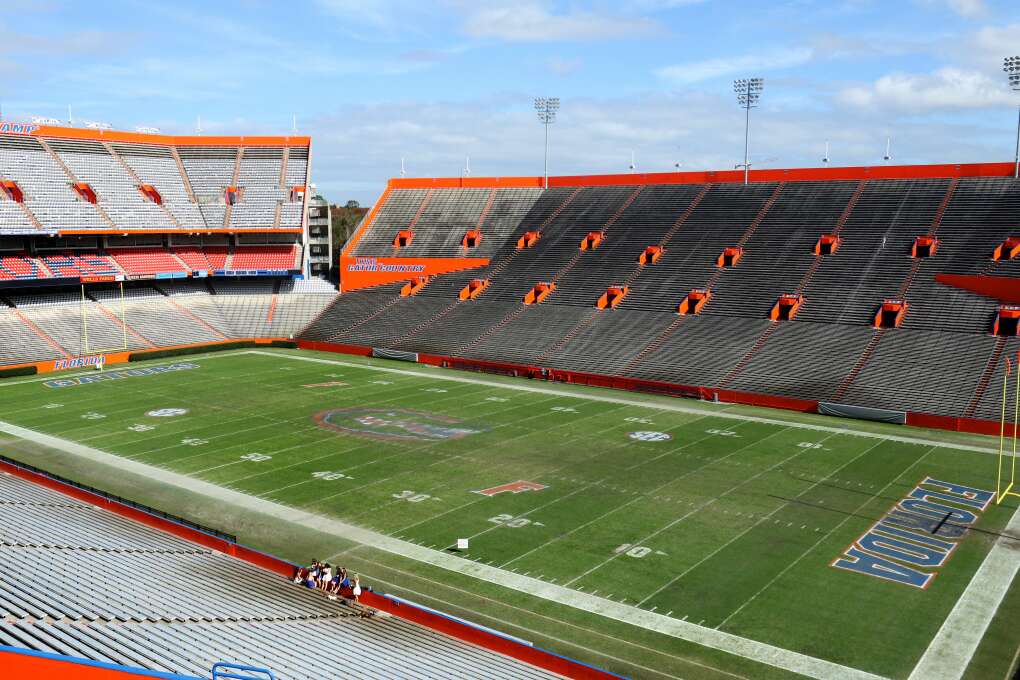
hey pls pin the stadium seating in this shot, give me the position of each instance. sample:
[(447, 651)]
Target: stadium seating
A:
[(20, 266), (146, 260), (266, 257), (940, 360), (191, 191), (74, 265), (132, 595), (209, 258)]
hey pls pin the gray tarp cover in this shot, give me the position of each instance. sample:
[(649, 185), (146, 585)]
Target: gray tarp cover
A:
[(862, 413), (383, 353)]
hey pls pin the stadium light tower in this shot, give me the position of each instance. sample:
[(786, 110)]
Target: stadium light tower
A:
[(748, 91), (1011, 65), (546, 108)]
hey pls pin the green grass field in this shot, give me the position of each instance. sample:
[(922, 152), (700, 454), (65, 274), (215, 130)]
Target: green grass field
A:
[(671, 507)]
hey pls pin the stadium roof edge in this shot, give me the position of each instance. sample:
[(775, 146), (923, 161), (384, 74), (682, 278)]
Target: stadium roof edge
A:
[(946, 170), (54, 132)]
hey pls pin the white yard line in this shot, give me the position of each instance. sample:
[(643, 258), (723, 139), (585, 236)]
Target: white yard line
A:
[(807, 552), (674, 408), (953, 646), (697, 508), (763, 518), (708, 637)]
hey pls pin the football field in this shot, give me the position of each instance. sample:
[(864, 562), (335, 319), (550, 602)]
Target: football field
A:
[(780, 543)]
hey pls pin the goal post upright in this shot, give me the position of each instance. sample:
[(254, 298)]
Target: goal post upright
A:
[(1002, 492), (84, 323), (108, 309), (123, 325)]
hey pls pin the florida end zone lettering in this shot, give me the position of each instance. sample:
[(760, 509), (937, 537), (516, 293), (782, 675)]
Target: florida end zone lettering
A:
[(916, 537)]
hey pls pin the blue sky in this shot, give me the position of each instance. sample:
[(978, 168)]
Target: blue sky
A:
[(376, 80)]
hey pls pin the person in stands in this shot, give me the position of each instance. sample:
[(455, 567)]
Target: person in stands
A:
[(355, 588), (301, 573), (333, 587), (312, 577), (325, 576)]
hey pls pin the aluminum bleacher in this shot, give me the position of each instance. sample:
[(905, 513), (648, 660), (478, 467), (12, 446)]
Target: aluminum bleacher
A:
[(934, 363), (136, 596)]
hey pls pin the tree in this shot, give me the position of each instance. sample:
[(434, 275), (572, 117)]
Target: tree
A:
[(345, 220)]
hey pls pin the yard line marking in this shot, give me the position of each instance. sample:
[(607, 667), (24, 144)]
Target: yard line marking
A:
[(814, 545), (696, 510), (482, 499), (640, 404), (751, 649), (953, 646), (451, 606), (634, 500), (753, 526)]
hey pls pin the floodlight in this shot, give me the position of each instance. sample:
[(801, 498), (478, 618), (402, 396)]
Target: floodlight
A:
[(748, 91), (546, 108), (1011, 66)]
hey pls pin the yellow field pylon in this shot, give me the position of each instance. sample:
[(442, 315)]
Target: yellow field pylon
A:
[(1000, 491)]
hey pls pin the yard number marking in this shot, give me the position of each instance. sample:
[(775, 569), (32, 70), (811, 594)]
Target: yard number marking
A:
[(413, 496), (256, 457), (723, 433), (637, 551), (513, 522), (330, 476)]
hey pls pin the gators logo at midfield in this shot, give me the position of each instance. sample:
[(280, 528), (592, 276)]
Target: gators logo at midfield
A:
[(394, 424)]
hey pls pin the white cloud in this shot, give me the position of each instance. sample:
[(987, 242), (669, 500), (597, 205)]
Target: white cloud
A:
[(358, 148), (968, 8), (996, 42), (534, 21), (947, 88), (748, 64), (562, 67)]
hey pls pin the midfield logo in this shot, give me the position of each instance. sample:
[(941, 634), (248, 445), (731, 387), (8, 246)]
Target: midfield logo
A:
[(917, 535), (396, 424)]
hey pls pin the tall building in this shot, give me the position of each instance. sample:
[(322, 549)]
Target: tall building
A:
[(320, 236)]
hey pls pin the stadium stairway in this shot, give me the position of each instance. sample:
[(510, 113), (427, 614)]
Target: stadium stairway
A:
[(940, 360)]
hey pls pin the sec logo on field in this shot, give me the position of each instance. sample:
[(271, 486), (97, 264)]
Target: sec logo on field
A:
[(648, 436), (167, 412)]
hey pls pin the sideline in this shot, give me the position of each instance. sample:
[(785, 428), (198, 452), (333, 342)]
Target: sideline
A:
[(708, 637), (675, 408), (953, 646)]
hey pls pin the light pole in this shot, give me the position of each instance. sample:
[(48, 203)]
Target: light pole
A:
[(748, 91), (1011, 65), (546, 108)]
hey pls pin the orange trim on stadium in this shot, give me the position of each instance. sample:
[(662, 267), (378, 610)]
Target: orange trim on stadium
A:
[(945, 170), (196, 232), (165, 140), (365, 223)]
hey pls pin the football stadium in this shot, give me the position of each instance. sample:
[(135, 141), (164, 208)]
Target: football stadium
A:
[(751, 423)]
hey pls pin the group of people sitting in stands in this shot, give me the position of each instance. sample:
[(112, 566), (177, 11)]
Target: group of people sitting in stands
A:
[(321, 575)]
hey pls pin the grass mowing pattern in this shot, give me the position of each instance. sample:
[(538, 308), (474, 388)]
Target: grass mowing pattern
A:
[(730, 524)]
